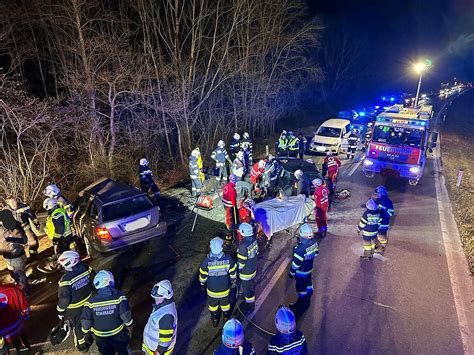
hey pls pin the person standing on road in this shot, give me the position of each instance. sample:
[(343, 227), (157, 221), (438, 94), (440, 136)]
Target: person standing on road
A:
[(293, 145), (217, 275), (352, 143), (330, 170), (302, 145), (27, 218), (229, 200), (281, 146), (239, 167), (247, 147), (159, 335), (195, 173), (14, 310), (288, 339), (147, 182), (75, 288), (234, 145), (303, 184), (247, 261), (385, 206), (108, 316), (53, 191), (369, 226), (321, 199), (302, 267), (233, 340), (220, 156)]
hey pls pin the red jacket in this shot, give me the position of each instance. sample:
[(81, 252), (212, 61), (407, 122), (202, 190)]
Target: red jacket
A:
[(321, 197), (256, 173), (229, 195), (14, 309), (333, 165)]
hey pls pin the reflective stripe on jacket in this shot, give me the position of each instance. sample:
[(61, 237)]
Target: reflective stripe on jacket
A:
[(216, 272), (58, 224), (369, 223), (75, 288), (247, 258), (303, 255), (159, 334)]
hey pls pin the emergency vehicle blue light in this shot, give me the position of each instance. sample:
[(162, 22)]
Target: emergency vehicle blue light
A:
[(377, 107), (362, 113), (392, 99), (383, 98)]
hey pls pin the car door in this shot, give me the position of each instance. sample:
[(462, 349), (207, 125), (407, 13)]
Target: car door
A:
[(80, 207)]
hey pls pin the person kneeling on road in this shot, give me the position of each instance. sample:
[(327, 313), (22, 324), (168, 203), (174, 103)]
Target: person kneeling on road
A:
[(159, 335), (247, 261), (233, 340), (302, 267), (217, 275), (288, 340), (107, 315), (369, 226), (75, 288)]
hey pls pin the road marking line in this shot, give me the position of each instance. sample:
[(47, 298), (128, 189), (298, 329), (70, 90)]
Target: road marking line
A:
[(461, 282), (354, 168)]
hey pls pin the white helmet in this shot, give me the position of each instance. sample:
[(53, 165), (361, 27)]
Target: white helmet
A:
[(103, 279), (261, 164), (306, 231), (371, 204), (195, 153), (317, 182), (236, 136), (216, 245), (143, 162), (246, 135), (50, 203), (221, 144), (162, 289), (240, 155), (51, 190), (246, 230), (68, 259), (233, 334), (298, 174)]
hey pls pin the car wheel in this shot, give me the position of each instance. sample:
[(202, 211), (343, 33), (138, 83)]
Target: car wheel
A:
[(91, 251)]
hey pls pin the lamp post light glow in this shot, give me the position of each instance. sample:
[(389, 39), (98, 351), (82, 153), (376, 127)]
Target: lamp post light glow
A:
[(420, 68)]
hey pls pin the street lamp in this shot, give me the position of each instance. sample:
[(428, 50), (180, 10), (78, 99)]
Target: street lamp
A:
[(420, 68)]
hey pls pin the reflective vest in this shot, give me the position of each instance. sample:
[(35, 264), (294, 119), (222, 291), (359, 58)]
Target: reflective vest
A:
[(255, 174), (153, 336), (220, 156), (282, 143), (294, 144), (369, 223), (58, 213), (321, 197), (333, 165)]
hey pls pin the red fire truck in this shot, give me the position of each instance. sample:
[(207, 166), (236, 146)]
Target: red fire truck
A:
[(399, 143)]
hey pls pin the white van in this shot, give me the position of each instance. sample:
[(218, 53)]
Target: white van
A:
[(330, 136)]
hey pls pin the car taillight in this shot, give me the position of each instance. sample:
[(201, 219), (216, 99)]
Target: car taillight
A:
[(102, 233)]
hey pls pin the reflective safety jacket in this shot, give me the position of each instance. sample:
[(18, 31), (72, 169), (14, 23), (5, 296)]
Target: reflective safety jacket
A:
[(272, 171), (303, 255), (234, 146), (256, 173), (332, 165), (194, 171), (321, 197), (246, 145), (245, 349), (58, 224), (294, 144), (217, 272), (159, 335), (386, 208), (220, 156), (294, 344), (369, 223), (106, 313), (14, 309), (65, 204), (353, 140), (247, 258), (229, 195), (75, 288), (282, 143)]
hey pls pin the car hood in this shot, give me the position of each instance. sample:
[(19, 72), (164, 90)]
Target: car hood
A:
[(326, 140)]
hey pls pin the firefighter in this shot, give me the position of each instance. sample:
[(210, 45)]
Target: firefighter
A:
[(107, 315), (321, 199), (14, 310), (221, 157), (239, 168), (385, 206), (352, 143), (195, 173), (303, 184), (330, 169), (369, 226), (147, 183), (58, 229), (288, 339), (217, 275), (247, 147), (302, 266), (200, 164), (234, 145), (247, 262), (271, 172), (293, 145), (53, 191), (229, 200), (281, 146), (233, 340), (302, 145), (75, 288), (29, 223), (159, 335)]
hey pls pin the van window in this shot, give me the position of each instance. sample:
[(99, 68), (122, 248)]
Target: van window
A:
[(330, 132)]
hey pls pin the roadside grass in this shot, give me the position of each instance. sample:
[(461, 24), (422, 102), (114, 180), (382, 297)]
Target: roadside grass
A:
[(457, 147)]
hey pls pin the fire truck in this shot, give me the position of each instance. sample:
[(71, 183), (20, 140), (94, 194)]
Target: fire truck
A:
[(399, 143)]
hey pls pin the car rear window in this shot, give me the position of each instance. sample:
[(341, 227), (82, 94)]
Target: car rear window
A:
[(126, 208)]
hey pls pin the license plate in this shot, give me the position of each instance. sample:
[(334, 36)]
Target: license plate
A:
[(137, 224), (320, 149)]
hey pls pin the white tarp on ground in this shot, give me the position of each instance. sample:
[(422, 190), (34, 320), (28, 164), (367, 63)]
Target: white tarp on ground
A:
[(276, 215)]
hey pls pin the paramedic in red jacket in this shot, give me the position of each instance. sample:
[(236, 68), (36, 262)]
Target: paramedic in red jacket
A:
[(229, 200), (14, 310), (321, 198), (331, 167)]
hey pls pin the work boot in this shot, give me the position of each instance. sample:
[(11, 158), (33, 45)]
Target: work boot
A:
[(215, 318), (226, 316)]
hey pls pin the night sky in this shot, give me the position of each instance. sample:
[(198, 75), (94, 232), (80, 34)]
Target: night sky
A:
[(399, 32)]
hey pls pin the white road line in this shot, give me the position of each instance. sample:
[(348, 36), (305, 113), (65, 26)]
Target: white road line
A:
[(461, 282), (354, 168)]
